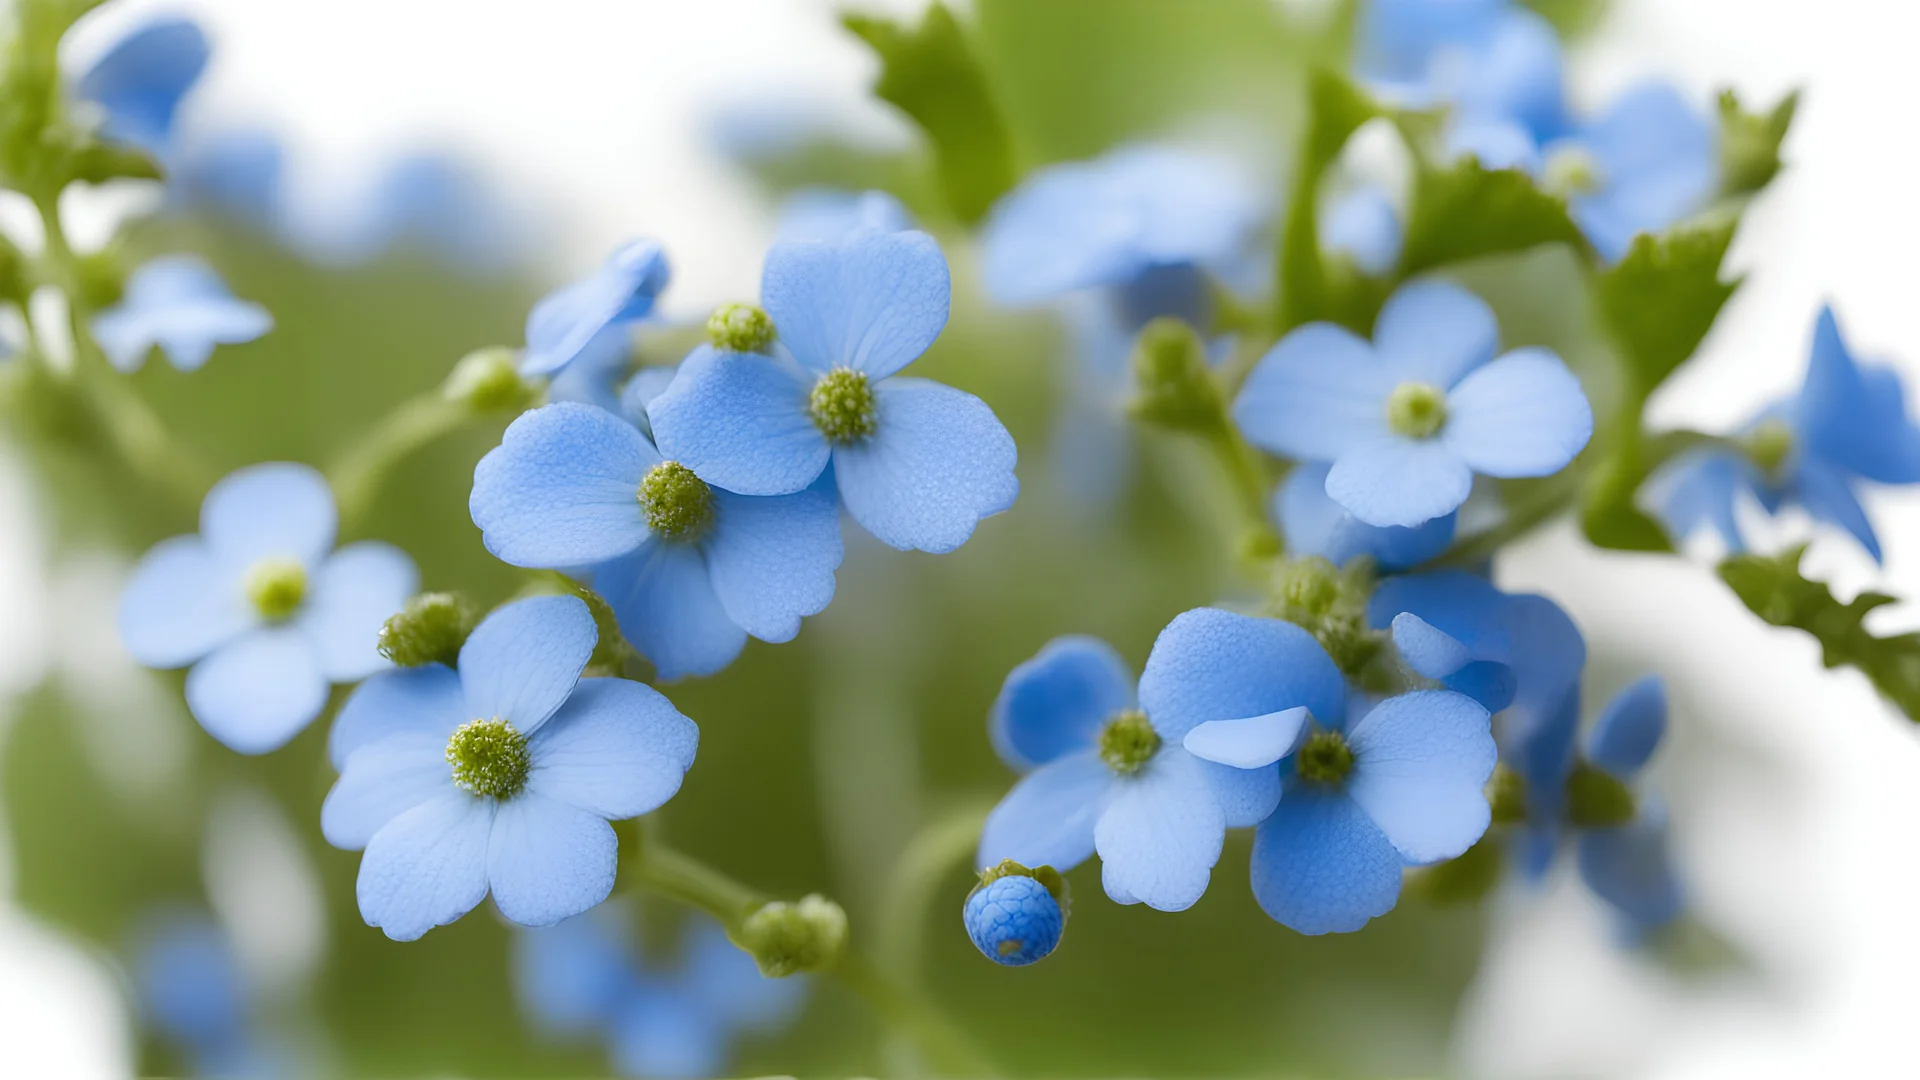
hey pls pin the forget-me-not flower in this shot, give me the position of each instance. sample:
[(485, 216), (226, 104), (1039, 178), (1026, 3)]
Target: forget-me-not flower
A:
[(193, 993), (502, 775), (689, 567), (178, 303), (1314, 524), (1626, 864), (916, 463), (141, 79), (1115, 773), (1650, 160), (262, 606), (1848, 424), (1406, 421), (239, 173), (1488, 61), (566, 322)]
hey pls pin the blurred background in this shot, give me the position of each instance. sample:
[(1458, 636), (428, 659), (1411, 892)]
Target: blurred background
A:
[(543, 135)]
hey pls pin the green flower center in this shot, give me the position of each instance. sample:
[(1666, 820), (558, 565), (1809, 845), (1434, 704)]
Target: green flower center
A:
[(1769, 444), (1571, 171), (678, 504), (1128, 742), (740, 328), (489, 758), (1325, 759), (1417, 410), (842, 406), (276, 586)]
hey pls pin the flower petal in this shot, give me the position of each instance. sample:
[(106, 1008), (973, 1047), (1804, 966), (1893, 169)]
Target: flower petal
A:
[(617, 748), (1698, 489), (725, 982), (567, 320), (1320, 864), (523, 660), (356, 590), (1421, 762), (663, 1036), (258, 690), (1320, 393), (426, 700), (548, 860), (872, 301), (741, 422), (381, 781), (141, 79), (1316, 525), (1630, 730), (1396, 481), (939, 463), (1364, 227), (1522, 415), (1055, 703), (663, 596), (1628, 867), (1854, 415), (1048, 818), (772, 559), (1246, 796), (570, 977), (1828, 496), (1434, 332), (1430, 651), (562, 488), (277, 509), (1161, 834), (181, 603), (427, 867), (1250, 742), (1210, 664)]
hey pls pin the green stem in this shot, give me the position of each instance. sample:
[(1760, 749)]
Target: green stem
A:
[(358, 476), (1246, 473)]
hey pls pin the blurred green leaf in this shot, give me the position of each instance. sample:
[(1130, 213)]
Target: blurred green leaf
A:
[(1572, 18), (1750, 142), (1658, 303), (1464, 211), (96, 162), (1309, 291)]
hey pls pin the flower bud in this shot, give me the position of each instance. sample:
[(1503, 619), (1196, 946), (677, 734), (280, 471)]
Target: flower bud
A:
[(429, 630), (1596, 799), (790, 938), (1015, 916), (1176, 387), (489, 380)]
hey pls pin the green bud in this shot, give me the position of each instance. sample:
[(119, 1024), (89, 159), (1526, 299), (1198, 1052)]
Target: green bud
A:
[(1597, 799), (1417, 410), (1307, 587), (741, 328), (489, 758), (1507, 796), (1176, 388), (489, 380), (1750, 143), (792, 938), (1127, 742), (1049, 878), (843, 407), (1325, 758), (276, 587), (101, 278), (429, 630), (1769, 444)]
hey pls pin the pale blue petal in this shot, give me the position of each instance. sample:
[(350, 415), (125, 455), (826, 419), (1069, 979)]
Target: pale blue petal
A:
[(523, 660), (180, 304), (872, 301), (1056, 703), (1185, 207), (939, 462), (1048, 818), (1397, 481), (426, 700), (562, 325), (617, 748), (825, 215), (1251, 742), (661, 1035), (1320, 393), (190, 983), (278, 509), (637, 398), (572, 975), (1316, 525), (1628, 867), (548, 860), (1434, 332), (1364, 227), (1518, 72), (590, 379), (740, 421), (381, 781), (1210, 664), (1421, 762), (1491, 684), (258, 690), (1495, 142), (664, 599), (1161, 834), (355, 591), (1856, 416), (1522, 415), (181, 603), (1246, 796), (1320, 864), (1828, 496), (1461, 605), (1698, 489), (428, 866), (562, 488), (1629, 731), (1432, 652), (1399, 39), (772, 559), (141, 79), (725, 982), (1657, 161)]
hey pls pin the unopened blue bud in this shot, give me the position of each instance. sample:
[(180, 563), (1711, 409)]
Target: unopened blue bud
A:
[(1014, 917)]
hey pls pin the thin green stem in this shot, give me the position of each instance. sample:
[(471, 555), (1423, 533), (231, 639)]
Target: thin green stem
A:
[(1246, 474), (358, 476)]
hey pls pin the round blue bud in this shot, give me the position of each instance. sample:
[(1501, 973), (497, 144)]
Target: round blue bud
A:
[(1014, 921)]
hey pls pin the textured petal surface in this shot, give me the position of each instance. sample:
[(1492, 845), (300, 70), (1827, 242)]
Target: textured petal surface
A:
[(1432, 652), (181, 603), (355, 591), (1320, 393), (741, 422), (1629, 731), (617, 748), (1248, 743), (427, 867), (1420, 762), (1246, 796), (278, 509), (1522, 415), (1435, 332), (562, 488), (1316, 525), (258, 690), (524, 659), (663, 596), (381, 781), (1014, 921), (1395, 481), (1320, 864), (872, 301), (426, 700), (772, 559), (939, 463), (1210, 664), (1055, 703), (1161, 835), (566, 321), (1048, 818), (548, 860)]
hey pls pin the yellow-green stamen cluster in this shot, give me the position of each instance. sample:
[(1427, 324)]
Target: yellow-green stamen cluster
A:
[(1325, 759), (740, 328), (1128, 742), (276, 587), (489, 758), (678, 504), (842, 406), (1417, 410)]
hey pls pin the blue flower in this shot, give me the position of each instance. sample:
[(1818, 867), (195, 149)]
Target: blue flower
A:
[(1119, 775), (1648, 162), (825, 215), (238, 173), (564, 323), (590, 377), (262, 606), (1014, 920), (917, 464), (690, 567), (1848, 424), (141, 79), (500, 776), (1314, 524), (178, 303), (193, 993), (1363, 226), (1407, 421), (1489, 61)]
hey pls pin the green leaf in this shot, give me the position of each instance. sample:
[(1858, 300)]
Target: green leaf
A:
[(933, 75), (1774, 589), (1465, 211), (1750, 142), (1573, 18), (96, 162), (1335, 110), (1660, 301)]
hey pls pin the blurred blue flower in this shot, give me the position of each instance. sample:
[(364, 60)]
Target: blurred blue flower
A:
[(1122, 776), (564, 323), (178, 303), (193, 993), (1650, 160), (689, 567), (1848, 424), (1314, 524), (916, 463), (1014, 920), (1363, 226), (1407, 421), (141, 79), (441, 203), (500, 776), (262, 606), (238, 173), (826, 215), (1487, 60)]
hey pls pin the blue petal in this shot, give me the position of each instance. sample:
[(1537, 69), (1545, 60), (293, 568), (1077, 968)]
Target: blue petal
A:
[(278, 509), (939, 462), (1399, 39), (1495, 142), (1428, 650), (1397, 481), (523, 660), (1048, 818), (664, 598), (572, 975), (772, 559), (637, 398), (725, 982), (1014, 921), (1628, 867), (178, 303), (1055, 703), (428, 866), (1161, 834), (590, 379), (1320, 864), (548, 860), (1434, 332), (825, 215), (1246, 796), (424, 700), (617, 749), (1210, 664), (1316, 525), (1518, 72), (1657, 162), (562, 325), (1829, 497), (1320, 393), (662, 1036), (1630, 730), (1457, 603), (239, 172), (1854, 416), (1252, 742), (561, 490), (181, 603), (1420, 764), (141, 80), (1547, 655), (1364, 227), (355, 591), (258, 690), (1491, 684), (381, 781), (1522, 415), (190, 983), (741, 422), (872, 301), (1698, 489)]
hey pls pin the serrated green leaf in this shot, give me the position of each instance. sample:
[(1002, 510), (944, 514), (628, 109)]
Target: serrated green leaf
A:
[(1308, 292), (1464, 211), (932, 74), (1660, 301), (1750, 142)]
